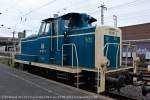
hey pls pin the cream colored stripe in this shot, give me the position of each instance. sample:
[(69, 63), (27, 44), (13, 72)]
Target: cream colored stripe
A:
[(58, 36)]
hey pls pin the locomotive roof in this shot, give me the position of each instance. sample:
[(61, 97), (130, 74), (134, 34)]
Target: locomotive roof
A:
[(77, 15), (68, 16), (48, 19)]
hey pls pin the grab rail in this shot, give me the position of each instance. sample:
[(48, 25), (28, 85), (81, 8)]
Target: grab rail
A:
[(57, 35), (51, 36), (107, 45), (76, 55), (128, 45)]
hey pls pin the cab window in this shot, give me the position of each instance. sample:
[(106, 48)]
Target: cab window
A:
[(47, 26), (44, 28), (66, 23)]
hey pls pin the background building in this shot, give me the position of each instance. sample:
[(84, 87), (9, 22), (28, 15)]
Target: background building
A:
[(140, 36), (8, 45)]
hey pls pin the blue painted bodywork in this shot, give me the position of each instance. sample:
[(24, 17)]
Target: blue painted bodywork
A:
[(79, 31)]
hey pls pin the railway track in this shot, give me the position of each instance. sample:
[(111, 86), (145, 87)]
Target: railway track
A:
[(113, 94)]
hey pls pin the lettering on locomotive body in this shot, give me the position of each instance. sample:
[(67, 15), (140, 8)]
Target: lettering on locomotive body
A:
[(88, 39), (42, 46)]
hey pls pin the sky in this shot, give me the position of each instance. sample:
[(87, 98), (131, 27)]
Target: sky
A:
[(19, 15)]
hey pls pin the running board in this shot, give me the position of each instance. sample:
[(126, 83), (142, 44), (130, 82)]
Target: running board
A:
[(68, 69)]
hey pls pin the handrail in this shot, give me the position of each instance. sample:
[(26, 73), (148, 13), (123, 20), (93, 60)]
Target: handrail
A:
[(77, 66), (76, 55), (107, 45), (110, 44), (117, 56), (128, 46), (63, 52), (57, 36), (73, 45), (51, 36)]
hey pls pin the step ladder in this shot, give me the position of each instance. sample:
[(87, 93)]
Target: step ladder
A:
[(52, 55), (98, 80), (79, 77), (63, 76)]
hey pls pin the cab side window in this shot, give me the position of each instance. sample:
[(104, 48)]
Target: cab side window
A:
[(44, 29), (66, 23), (47, 26)]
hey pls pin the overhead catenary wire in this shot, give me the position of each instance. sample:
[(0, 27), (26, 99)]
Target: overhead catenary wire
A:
[(132, 3), (71, 5), (119, 6), (138, 13), (126, 4), (33, 10), (125, 18), (42, 6)]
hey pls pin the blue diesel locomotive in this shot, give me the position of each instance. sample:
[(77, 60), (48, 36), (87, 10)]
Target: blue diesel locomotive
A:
[(71, 49)]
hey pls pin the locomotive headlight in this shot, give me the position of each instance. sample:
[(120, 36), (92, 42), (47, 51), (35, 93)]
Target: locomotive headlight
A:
[(105, 61)]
